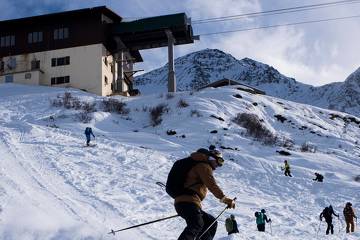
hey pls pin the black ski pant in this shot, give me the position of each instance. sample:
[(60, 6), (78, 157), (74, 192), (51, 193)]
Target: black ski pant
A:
[(197, 222), (261, 227), (287, 173), (88, 139), (330, 226), (233, 231)]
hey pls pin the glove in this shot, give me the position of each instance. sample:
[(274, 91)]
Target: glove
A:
[(320, 218), (269, 219), (229, 202)]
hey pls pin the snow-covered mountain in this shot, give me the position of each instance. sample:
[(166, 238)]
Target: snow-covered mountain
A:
[(203, 67), (52, 187)]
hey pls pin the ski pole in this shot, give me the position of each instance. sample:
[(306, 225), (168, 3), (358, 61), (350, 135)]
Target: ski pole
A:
[(270, 229), (162, 185), (317, 232), (142, 224), (214, 221)]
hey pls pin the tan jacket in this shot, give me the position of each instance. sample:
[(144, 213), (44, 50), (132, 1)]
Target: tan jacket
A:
[(349, 213), (202, 176)]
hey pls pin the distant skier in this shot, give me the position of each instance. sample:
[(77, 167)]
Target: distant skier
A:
[(318, 177), (261, 218), (231, 225), (197, 180), (286, 168), (88, 132), (327, 214), (349, 215)]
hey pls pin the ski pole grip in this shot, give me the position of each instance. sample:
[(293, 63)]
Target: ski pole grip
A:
[(234, 199)]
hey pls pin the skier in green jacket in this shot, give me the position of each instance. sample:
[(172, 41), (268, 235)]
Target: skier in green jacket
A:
[(261, 218), (286, 168), (231, 225)]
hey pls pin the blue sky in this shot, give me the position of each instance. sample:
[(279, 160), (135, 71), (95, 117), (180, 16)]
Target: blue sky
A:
[(315, 54)]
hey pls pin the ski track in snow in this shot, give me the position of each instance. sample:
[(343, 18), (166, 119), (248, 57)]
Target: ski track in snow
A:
[(52, 187)]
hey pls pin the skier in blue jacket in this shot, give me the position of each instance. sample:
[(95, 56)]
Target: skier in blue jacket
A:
[(88, 132)]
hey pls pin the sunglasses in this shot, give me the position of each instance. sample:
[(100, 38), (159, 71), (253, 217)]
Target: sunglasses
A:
[(219, 160)]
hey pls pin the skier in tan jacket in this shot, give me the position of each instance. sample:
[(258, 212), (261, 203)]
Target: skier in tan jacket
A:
[(199, 180), (349, 215)]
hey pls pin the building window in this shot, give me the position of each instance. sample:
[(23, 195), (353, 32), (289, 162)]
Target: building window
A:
[(7, 41), (60, 61), (106, 80), (2, 66), (35, 37), (12, 41), (11, 63), (56, 34), (60, 80), (61, 33), (27, 75), (35, 64), (66, 32)]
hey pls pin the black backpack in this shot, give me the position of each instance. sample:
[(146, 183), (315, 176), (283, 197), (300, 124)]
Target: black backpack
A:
[(177, 176), (321, 177), (327, 213)]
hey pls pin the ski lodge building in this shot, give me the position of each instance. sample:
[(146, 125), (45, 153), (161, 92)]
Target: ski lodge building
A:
[(91, 49)]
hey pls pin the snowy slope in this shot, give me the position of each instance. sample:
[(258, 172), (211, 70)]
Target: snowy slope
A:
[(203, 67), (52, 187)]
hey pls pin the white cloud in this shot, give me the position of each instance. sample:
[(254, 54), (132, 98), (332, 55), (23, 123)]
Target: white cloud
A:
[(202, 9)]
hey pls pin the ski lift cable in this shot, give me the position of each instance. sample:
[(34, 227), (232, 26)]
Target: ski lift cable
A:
[(276, 11), (281, 25), (263, 13)]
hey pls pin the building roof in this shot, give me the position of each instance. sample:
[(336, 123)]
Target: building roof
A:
[(150, 32), (153, 23), (46, 17), (241, 86)]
